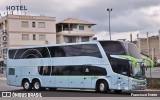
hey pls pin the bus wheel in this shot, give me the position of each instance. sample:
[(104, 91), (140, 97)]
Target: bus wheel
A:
[(102, 87), (36, 85), (26, 85)]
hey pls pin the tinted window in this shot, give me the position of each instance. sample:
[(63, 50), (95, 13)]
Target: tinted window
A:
[(72, 70), (11, 71), (75, 50), (44, 70), (97, 70), (56, 51), (61, 70), (75, 70), (91, 50), (94, 70), (12, 53), (29, 53), (120, 66), (112, 47)]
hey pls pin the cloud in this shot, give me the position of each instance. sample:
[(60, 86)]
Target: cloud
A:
[(127, 16), (103, 35)]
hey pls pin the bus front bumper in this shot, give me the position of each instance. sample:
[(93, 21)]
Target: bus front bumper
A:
[(138, 87)]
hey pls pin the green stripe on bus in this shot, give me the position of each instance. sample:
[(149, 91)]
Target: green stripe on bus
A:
[(151, 61), (130, 58)]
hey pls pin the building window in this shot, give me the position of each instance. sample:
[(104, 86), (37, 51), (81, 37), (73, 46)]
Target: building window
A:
[(5, 50), (25, 24), (41, 24), (70, 39), (25, 36), (81, 27), (33, 24), (84, 39), (89, 26), (74, 26), (42, 37), (34, 36)]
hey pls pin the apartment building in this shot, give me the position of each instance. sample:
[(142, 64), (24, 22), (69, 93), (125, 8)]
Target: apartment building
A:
[(23, 30), (74, 30)]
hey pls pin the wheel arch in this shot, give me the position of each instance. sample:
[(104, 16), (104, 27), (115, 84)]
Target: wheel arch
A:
[(23, 80), (101, 79), (34, 79)]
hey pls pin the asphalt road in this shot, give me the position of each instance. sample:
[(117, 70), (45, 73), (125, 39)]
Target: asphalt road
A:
[(61, 93)]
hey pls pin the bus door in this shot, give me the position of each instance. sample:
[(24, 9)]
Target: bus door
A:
[(76, 77), (62, 76), (123, 72), (87, 78)]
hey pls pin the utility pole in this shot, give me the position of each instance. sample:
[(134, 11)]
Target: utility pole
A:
[(139, 42), (131, 37), (148, 45), (109, 10), (159, 41)]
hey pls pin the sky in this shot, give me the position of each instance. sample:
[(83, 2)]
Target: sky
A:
[(127, 16)]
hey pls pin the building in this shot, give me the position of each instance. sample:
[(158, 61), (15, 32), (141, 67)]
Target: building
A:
[(153, 49), (22, 30), (74, 30)]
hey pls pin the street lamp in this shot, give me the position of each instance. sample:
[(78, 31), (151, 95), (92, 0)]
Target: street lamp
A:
[(109, 10)]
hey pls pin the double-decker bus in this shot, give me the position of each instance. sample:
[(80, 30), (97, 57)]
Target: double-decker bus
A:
[(98, 65)]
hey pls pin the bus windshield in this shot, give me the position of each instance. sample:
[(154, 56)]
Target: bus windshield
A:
[(139, 70), (122, 66)]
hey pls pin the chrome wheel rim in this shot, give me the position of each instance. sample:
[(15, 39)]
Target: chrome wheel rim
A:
[(101, 87), (36, 85), (26, 85)]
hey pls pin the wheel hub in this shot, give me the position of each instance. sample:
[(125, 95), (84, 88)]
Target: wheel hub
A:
[(101, 87)]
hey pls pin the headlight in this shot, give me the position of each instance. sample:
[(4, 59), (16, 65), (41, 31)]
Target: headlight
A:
[(135, 83)]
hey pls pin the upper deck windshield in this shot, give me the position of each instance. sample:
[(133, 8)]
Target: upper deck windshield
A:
[(119, 65)]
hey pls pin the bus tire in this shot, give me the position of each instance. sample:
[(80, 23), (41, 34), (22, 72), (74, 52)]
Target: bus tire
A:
[(102, 87), (37, 85), (26, 85)]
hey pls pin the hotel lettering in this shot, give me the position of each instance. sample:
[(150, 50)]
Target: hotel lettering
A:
[(12, 8)]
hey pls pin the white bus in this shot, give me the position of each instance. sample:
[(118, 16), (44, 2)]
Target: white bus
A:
[(86, 65)]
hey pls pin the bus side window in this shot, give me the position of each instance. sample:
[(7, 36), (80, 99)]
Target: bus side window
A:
[(86, 70), (44, 70), (98, 71), (40, 70), (75, 70)]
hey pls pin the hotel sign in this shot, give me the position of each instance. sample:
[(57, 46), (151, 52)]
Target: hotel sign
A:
[(12, 8)]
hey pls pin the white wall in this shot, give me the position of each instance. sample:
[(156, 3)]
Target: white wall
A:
[(15, 25), (16, 40)]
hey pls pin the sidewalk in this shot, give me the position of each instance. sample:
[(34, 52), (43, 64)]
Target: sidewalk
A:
[(3, 78)]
